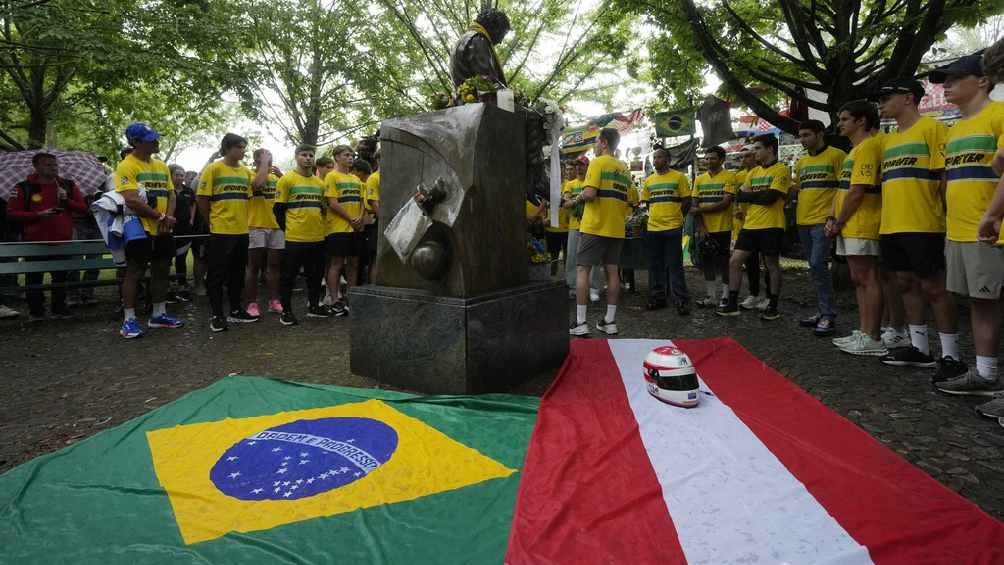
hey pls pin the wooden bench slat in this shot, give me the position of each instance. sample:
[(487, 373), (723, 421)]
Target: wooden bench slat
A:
[(57, 265), (92, 247)]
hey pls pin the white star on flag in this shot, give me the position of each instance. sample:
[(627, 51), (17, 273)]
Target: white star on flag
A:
[(285, 483), (287, 494), (304, 461), (282, 470), (356, 474), (344, 469), (310, 480), (286, 458), (235, 474), (275, 449), (298, 481), (232, 458), (304, 454), (256, 491), (252, 442)]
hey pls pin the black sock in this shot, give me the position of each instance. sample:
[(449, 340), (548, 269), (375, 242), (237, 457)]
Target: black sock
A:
[(733, 299), (773, 300)]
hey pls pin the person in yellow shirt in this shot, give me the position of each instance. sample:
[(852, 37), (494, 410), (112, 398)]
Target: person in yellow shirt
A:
[(343, 194), (605, 195), (857, 212), (225, 186), (298, 208), (372, 205), (324, 166), (572, 189), (145, 184), (754, 265), (765, 190), (817, 181), (713, 197), (557, 236), (265, 241), (974, 269), (667, 196), (913, 227)]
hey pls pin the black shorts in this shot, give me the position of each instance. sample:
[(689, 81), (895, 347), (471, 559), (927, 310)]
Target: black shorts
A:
[(556, 241), (348, 244), (142, 251), (722, 239), (767, 241), (922, 254), (372, 236)]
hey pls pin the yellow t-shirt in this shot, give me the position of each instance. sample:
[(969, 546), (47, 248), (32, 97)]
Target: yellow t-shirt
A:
[(348, 189), (665, 194), (260, 213), (228, 189), (372, 191), (862, 166), (775, 177), (572, 189), (911, 177), (709, 190), (605, 214), (972, 144), (153, 177), (818, 179), (303, 197)]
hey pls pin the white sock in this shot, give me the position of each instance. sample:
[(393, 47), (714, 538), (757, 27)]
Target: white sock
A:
[(710, 287), (725, 290), (611, 313), (950, 346), (918, 337), (159, 309), (580, 313), (986, 368), (130, 314)]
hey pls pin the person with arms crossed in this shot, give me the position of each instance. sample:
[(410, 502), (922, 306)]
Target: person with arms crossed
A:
[(713, 195)]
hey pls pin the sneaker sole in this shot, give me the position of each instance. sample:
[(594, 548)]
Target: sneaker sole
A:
[(241, 320), (319, 316), (769, 318), (867, 353), (969, 392), (134, 336), (217, 330), (287, 323), (916, 364), (155, 325), (727, 314)]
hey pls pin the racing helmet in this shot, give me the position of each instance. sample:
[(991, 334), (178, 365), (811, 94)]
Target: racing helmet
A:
[(671, 377)]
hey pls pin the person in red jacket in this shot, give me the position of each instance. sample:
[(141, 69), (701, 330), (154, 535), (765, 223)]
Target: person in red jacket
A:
[(44, 205)]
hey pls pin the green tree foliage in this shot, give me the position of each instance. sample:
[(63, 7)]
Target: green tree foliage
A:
[(763, 51)]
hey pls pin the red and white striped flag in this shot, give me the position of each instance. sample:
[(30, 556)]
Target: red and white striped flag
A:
[(760, 472)]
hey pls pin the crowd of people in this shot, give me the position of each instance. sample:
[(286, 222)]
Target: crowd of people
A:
[(913, 212)]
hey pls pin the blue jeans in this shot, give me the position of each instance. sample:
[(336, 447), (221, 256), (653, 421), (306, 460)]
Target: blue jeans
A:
[(665, 260), (817, 251)]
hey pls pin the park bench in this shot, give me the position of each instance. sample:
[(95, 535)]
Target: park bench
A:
[(22, 258)]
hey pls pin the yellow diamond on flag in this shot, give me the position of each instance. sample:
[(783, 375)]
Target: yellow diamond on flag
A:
[(251, 474)]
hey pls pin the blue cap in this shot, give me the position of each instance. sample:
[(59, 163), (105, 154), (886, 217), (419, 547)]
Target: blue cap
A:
[(963, 66), (142, 132)]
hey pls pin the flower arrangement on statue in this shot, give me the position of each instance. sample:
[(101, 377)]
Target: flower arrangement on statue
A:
[(475, 89), (538, 250)]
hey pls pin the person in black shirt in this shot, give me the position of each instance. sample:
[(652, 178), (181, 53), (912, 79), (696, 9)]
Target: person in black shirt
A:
[(184, 211)]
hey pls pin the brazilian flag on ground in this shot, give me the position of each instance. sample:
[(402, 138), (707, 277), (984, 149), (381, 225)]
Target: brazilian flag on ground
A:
[(253, 470)]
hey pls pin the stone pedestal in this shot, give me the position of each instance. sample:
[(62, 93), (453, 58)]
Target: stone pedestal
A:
[(446, 345)]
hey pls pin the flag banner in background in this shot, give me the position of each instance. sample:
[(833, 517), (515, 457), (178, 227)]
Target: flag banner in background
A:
[(759, 472), (253, 470), (674, 123)]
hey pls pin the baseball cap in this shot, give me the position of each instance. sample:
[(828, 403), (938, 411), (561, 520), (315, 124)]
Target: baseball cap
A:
[(584, 160), (900, 86), (963, 66), (142, 132)]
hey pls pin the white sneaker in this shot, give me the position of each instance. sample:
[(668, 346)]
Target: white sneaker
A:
[(578, 329), (866, 345), (893, 339), (8, 312), (594, 295), (763, 304), (609, 328), (838, 341), (749, 303)]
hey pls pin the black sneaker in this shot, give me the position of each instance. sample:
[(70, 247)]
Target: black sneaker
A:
[(320, 311), (241, 317), (948, 368), (218, 324), (727, 310), (288, 319), (770, 314), (609, 328), (910, 357), (184, 295), (683, 309), (809, 322), (172, 298), (340, 309)]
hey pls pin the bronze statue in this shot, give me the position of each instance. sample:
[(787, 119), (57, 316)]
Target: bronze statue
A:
[(474, 54)]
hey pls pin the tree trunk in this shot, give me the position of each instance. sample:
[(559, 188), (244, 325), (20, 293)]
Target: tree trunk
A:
[(37, 124)]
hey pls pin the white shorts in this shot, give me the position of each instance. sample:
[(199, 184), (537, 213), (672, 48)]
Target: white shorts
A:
[(855, 246), (974, 269), (266, 237)]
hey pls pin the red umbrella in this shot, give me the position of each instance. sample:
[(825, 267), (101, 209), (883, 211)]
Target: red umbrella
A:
[(78, 166)]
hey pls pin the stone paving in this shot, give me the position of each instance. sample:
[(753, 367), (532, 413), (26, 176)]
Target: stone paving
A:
[(63, 381)]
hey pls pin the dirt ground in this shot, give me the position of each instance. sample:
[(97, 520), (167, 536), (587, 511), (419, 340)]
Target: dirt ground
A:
[(65, 380)]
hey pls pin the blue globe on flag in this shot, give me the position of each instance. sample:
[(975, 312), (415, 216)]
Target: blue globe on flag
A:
[(303, 458)]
